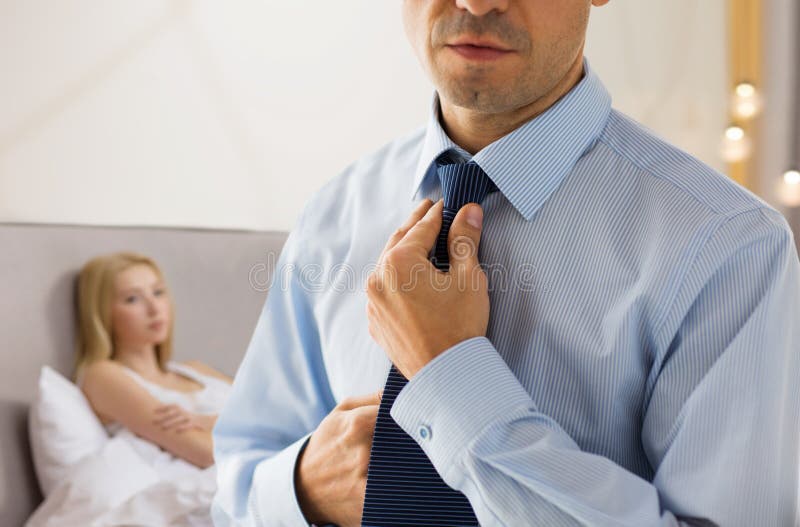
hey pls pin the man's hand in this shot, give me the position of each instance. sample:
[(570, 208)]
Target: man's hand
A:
[(415, 311), (331, 474)]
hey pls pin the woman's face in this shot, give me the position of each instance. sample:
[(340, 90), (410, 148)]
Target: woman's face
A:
[(140, 308)]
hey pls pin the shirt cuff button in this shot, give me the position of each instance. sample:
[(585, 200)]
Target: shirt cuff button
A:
[(425, 432)]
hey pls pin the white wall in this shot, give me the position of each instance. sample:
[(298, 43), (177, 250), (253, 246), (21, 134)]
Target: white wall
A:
[(665, 64), (200, 113)]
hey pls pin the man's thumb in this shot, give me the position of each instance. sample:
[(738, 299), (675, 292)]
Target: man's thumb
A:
[(465, 235)]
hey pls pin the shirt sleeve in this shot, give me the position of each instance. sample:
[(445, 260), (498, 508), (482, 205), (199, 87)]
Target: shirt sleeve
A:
[(279, 395), (720, 424)]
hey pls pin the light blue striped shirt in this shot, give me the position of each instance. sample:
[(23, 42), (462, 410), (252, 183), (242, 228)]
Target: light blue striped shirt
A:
[(641, 362)]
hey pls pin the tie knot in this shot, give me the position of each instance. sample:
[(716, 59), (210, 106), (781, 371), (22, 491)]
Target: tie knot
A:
[(462, 183)]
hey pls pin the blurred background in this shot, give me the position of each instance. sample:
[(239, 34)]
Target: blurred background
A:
[(228, 115)]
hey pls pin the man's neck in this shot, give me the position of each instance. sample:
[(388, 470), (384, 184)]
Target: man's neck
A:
[(473, 130)]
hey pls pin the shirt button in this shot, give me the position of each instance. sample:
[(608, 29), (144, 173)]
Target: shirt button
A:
[(425, 432)]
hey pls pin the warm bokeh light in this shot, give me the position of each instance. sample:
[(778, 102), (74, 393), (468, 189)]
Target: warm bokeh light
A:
[(734, 133), (746, 102), (792, 177), (745, 89), (789, 188), (736, 146)]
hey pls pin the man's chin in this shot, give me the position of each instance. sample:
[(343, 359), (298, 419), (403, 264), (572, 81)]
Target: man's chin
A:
[(476, 97)]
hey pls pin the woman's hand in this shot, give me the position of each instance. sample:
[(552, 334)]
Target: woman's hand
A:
[(175, 416)]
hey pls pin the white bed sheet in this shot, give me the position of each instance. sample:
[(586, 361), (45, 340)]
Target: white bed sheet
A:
[(130, 481)]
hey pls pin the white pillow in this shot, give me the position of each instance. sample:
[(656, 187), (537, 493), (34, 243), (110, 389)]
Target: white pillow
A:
[(62, 427)]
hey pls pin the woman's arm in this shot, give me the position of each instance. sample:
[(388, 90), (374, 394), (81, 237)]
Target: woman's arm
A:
[(173, 415), (114, 394)]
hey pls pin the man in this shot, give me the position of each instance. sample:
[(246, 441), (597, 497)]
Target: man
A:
[(606, 335)]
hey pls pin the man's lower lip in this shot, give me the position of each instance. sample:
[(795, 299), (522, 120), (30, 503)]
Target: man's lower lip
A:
[(479, 53)]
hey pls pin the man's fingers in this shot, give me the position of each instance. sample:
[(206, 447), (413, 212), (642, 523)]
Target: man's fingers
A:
[(424, 233), (465, 236), (348, 403), (417, 214)]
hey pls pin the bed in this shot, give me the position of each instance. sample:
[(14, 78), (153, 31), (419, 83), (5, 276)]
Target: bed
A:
[(219, 279)]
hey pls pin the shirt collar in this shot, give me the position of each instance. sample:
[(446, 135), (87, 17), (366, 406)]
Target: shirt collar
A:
[(528, 164)]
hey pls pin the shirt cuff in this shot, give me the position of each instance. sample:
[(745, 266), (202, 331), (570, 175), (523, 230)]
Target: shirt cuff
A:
[(454, 397), (273, 496)]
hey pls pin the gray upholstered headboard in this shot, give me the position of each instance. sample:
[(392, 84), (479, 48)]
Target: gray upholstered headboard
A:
[(218, 279)]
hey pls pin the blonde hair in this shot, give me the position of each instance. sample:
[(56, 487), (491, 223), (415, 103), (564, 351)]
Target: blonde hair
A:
[(95, 289)]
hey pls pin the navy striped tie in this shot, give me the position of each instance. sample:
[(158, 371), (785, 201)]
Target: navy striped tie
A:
[(403, 487)]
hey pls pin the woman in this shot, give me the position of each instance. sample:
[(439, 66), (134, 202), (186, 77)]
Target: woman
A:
[(123, 363)]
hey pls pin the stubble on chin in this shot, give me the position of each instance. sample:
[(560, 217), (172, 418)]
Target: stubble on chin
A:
[(480, 89), (490, 88)]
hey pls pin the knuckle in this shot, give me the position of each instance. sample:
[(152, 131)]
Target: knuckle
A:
[(344, 402), (390, 258), (372, 332), (349, 430), (353, 424), (394, 257), (373, 281), (362, 457), (357, 424)]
